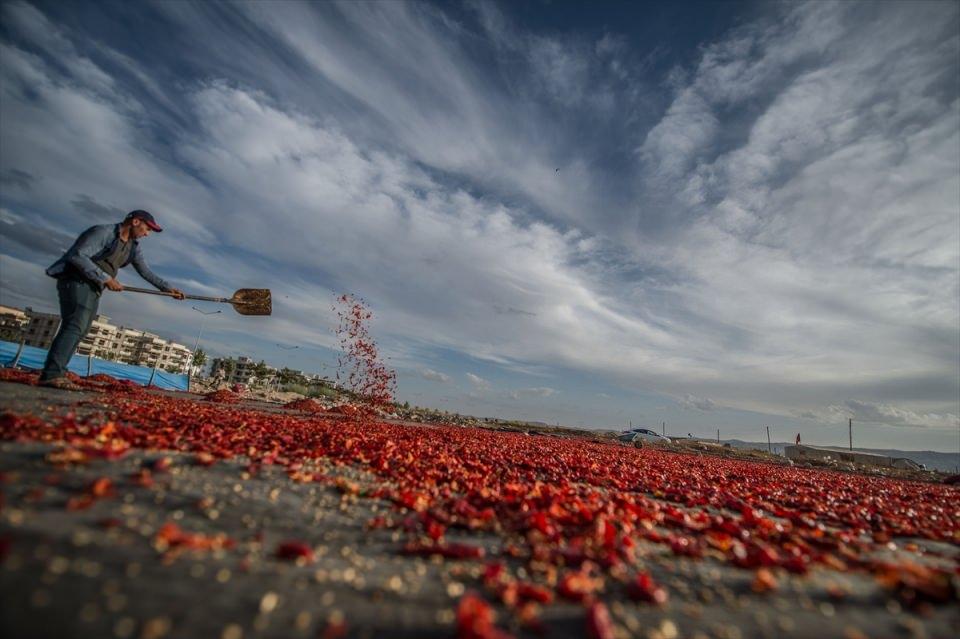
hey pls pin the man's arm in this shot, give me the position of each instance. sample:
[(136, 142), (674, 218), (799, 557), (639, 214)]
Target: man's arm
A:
[(141, 265), (90, 242)]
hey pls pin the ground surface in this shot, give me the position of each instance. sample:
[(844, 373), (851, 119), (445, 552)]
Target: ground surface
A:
[(89, 559)]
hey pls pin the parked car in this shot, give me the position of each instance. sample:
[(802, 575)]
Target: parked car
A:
[(642, 435)]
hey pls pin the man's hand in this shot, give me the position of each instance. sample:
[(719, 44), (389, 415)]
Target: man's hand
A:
[(113, 284), (177, 293)]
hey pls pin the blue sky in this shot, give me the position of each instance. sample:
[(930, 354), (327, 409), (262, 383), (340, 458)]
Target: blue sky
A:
[(729, 215)]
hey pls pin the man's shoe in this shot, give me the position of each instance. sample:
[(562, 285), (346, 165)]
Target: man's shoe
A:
[(62, 383)]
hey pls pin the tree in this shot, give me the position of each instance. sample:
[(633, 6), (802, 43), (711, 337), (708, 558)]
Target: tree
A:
[(261, 371), (227, 366), (288, 376), (199, 358)]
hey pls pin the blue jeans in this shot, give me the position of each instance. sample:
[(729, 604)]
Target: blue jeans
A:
[(79, 300)]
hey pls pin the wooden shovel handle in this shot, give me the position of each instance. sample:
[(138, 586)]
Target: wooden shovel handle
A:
[(202, 298)]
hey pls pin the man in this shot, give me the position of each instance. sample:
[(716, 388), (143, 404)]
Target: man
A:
[(88, 267)]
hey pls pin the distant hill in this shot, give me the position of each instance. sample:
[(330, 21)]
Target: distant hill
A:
[(946, 462)]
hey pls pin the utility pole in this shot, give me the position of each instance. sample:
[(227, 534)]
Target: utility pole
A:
[(156, 364), (140, 348), (718, 435), (196, 344), (16, 358), (664, 428), (850, 427), (769, 449), (286, 348)]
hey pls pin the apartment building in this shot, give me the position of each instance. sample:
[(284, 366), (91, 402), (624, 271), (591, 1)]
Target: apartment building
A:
[(41, 329), (152, 350), (12, 323), (103, 340)]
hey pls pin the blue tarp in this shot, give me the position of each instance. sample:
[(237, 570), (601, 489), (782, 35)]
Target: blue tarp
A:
[(33, 357)]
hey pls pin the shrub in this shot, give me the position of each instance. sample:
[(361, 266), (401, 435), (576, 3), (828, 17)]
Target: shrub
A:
[(322, 391), (300, 389)]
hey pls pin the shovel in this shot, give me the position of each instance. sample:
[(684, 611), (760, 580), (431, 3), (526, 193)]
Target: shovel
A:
[(246, 301)]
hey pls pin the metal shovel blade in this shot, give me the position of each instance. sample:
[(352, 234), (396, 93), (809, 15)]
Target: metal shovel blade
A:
[(252, 301)]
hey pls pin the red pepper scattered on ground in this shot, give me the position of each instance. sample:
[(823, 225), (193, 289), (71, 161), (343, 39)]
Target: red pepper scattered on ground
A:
[(577, 509), (172, 539), (599, 624), (644, 588), (759, 515), (305, 405), (475, 619), (295, 551), (223, 396)]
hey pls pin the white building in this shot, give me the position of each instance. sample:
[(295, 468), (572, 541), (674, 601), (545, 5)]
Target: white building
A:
[(104, 340), (147, 349), (131, 346), (243, 370)]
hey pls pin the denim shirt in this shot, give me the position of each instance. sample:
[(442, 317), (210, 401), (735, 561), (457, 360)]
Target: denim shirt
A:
[(94, 243)]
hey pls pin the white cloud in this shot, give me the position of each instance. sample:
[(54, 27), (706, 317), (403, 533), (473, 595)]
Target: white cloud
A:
[(406, 67), (541, 391), (798, 238), (698, 403), (22, 283), (878, 413), (816, 241), (35, 27), (434, 376), (478, 382)]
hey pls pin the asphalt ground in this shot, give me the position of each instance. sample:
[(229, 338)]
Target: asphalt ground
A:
[(102, 571)]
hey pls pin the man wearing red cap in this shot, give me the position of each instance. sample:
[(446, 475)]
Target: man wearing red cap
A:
[(88, 267)]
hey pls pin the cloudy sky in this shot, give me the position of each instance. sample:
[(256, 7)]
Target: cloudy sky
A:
[(728, 215)]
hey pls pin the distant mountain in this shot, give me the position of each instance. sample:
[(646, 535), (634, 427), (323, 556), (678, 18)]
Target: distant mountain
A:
[(946, 462)]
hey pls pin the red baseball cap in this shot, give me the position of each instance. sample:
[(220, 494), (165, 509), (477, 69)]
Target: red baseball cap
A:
[(146, 218)]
